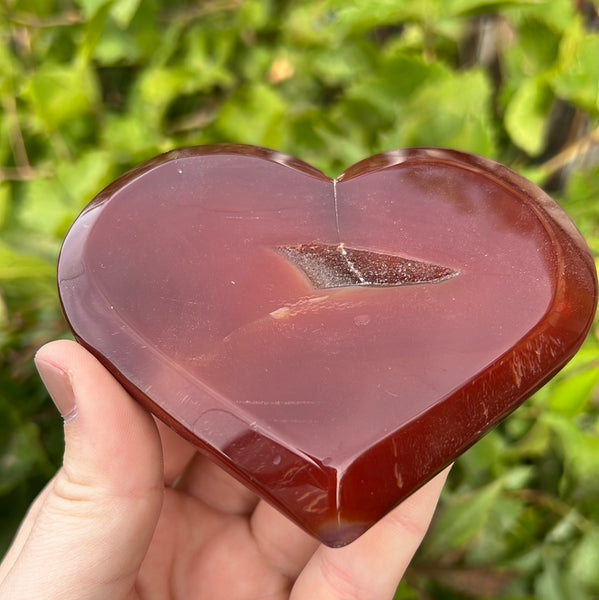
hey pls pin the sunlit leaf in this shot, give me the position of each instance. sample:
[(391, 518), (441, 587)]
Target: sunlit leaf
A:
[(570, 396), (15, 266), (550, 585), (584, 560), (61, 93), (5, 200), (91, 7), (451, 112), (93, 31), (122, 11), (578, 70), (355, 15), (469, 7), (132, 138), (526, 115), (253, 115), (50, 205), (254, 14), (558, 14)]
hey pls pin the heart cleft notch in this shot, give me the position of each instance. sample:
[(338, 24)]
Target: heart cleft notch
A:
[(336, 265)]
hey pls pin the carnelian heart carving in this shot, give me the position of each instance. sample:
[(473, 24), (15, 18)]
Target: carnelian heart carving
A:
[(333, 344)]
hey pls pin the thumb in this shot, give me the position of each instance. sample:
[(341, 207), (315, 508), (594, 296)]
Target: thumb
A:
[(88, 532)]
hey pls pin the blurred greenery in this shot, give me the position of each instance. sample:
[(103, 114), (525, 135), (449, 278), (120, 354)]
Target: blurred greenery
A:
[(89, 88)]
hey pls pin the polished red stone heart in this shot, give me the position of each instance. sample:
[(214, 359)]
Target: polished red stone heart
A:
[(333, 344)]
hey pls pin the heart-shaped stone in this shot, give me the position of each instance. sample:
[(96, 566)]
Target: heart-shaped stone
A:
[(331, 343)]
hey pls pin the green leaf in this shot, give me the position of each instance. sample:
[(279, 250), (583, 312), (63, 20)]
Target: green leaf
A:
[(538, 47), (452, 112), (356, 16), (44, 207), (577, 75), (337, 67), (84, 177), (557, 14), (61, 93), (50, 205), (91, 7), (206, 56), (483, 458), (156, 87), (535, 443), (549, 585), (571, 396), (579, 199), (254, 14), (394, 81), (526, 115), (325, 143), (116, 47), (131, 138), (5, 203), (502, 529), (15, 266), (584, 560), (123, 11), (7, 68), (461, 521), (580, 448), (139, 43), (93, 32), (472, 7), (253, 115), (312, 23), (4, 318)]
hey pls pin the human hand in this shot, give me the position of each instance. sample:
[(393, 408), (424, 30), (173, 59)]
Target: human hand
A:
[(136, 513)]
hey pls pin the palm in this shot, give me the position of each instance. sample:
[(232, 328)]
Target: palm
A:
[(214, 539)]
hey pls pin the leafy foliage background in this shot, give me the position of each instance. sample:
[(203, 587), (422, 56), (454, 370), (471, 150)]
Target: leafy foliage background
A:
[(89, 88)]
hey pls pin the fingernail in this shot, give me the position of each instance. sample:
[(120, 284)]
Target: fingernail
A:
[(58, 384)]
